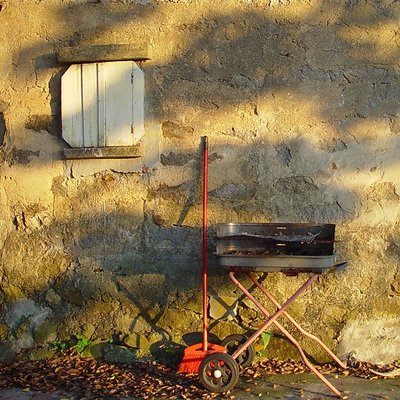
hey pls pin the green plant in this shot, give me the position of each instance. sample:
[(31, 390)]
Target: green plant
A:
[(265, 338), (115, 338), (60, 345), (81, 344)]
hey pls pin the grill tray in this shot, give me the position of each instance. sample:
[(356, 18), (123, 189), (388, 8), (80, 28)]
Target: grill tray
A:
[(272, 247)]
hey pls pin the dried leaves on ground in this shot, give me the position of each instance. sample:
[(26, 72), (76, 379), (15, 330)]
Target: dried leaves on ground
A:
[(355, 368), (89, 379)]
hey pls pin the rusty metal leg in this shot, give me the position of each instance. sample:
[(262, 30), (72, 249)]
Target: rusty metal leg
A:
[(293, 321), (272, 319)]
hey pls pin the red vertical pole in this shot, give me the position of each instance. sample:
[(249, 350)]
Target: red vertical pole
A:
[(204, 242)]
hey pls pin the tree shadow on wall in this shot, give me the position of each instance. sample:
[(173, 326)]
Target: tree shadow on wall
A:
[(222, 62), (249, 56)]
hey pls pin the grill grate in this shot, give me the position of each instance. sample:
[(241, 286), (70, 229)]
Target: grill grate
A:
[(309, 238)]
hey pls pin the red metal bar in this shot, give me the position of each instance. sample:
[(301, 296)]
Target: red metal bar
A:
[(272, 319), (293, 321), (274, 316), (204, 242)]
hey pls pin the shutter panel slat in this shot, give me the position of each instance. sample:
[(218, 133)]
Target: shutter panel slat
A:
[(101, 103), (71, 106), (119, 104), (90, 105), (138, 102)]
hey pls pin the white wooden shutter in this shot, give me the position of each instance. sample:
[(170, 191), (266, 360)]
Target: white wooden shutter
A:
[(102, 104)]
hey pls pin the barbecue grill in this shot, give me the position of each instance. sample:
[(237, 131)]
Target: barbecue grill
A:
[(274, 247), (269, 247)]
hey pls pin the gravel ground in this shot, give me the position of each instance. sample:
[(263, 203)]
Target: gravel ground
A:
[(87, 379)]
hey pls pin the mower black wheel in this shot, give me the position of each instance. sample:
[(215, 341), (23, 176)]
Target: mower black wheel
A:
[(218, 372), (233, 342)]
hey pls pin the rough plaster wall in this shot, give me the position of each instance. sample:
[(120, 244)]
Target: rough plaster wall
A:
[(300, 100)]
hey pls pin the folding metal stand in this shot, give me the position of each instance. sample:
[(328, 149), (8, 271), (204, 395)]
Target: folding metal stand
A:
[(272, 319)]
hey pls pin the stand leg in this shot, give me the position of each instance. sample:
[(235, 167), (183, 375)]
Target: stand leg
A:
[(292, 320), (272, 320)]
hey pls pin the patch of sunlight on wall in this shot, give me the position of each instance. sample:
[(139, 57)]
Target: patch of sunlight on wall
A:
[(293, 114), (392, 173), (284, 117), (174, 42), (29, 184), (357, 179), (372, 42), (360, 182), (296, 10), (372, 128), (379, 213), (31, 181)]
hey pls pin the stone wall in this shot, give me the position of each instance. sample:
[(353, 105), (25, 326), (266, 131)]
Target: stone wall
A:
[(300, 101)]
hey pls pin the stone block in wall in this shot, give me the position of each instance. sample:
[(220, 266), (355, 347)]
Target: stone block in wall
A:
[(234, 191), (103, 152), (374, 340), (88, 330), (179, 322), (3, 332), (137, 341), (224, 328), (193, 303), (90, 166), (39, 123), (98, 53), (111, 353), (74, 296), (147, 291), (12, 292), (7, 353), (39, 251), (23, 335), (45, 332), (223, 307), (118, 354), (52, 297), (25, 311), (2, 128), (42, 354), (174, 130)]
